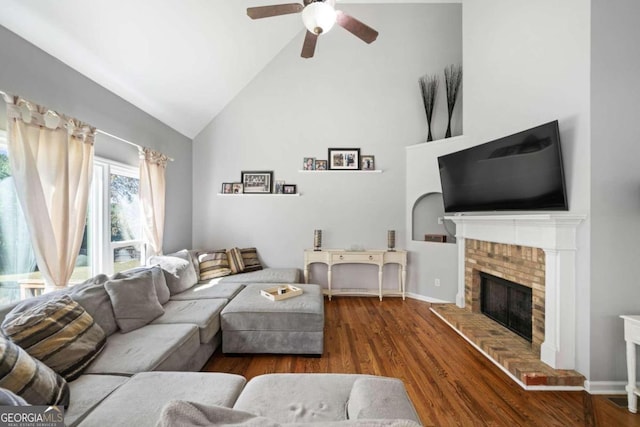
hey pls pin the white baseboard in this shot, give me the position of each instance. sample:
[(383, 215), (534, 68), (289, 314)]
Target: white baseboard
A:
[(605, 387), (426, 299)]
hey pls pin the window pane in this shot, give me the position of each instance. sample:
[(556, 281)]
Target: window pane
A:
[(17, 260), (126, 257), (125, 208)]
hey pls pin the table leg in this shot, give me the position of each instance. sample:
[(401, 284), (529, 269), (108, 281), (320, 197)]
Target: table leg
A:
[(380, 282), (329, 280), (306, 273), (631, 373), (404, 281)]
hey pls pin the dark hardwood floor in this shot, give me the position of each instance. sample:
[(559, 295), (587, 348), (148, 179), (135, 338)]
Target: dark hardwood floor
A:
[(450, 383)]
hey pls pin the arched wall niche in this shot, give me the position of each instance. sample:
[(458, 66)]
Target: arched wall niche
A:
[(427, 217)]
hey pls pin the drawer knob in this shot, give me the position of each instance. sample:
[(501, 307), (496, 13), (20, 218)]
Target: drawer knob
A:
[(341, 257), (370, 257)]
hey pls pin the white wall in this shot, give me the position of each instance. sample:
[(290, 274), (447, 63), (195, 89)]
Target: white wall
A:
[(615, 182), (527, 63), (33, 74), (350, 95)]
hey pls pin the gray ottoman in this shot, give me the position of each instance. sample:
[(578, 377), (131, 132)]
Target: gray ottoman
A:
[(251, 323)]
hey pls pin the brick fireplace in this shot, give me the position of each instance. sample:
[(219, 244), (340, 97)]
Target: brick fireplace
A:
[(537, 251)]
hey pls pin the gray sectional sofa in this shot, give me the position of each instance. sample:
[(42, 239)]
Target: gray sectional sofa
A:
[(139, 372)]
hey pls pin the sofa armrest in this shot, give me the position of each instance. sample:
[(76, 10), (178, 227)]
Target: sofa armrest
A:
[(380, 398)]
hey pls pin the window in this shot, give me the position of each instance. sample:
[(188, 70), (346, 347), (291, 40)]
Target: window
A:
[(112, 239)]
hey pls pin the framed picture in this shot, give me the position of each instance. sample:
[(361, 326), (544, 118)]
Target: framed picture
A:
[(289, 189), (344, 158), (368, 163), (227, 188), (321, 165), (257, 182), (309, 164), (237, 188), (278, 188)]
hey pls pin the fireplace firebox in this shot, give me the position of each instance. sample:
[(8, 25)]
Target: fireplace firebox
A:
[(507, 303)]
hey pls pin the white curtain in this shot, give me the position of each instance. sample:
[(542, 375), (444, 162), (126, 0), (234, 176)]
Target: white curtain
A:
[(51, 157), (152, 197)]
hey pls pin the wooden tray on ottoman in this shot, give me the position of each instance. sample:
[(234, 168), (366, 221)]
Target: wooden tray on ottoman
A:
[(272, 293)]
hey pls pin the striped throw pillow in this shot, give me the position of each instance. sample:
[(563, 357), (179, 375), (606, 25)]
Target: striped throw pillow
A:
[(29, 378), (235, 260), (59, 333), (213, 264), (250, 259)]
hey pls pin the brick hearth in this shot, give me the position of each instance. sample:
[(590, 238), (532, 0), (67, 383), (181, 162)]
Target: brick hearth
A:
[(506, 349)]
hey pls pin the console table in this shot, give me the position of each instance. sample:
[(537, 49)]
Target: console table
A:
[(632, 337), (332, 257)]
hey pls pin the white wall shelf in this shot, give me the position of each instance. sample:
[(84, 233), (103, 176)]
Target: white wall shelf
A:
[(259, 195), (341, 171)]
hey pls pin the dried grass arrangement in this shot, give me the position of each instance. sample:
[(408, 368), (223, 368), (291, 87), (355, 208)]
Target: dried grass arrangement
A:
[(452, 79), (429, 89)]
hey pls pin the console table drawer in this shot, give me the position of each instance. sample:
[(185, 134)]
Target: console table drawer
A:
[(632, 332), (354, 257)]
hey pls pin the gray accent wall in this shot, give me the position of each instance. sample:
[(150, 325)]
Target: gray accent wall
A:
[(349, 95), (33, 74), (615, 182)]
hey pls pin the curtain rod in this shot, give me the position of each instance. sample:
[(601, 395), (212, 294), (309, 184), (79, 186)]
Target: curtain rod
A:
[(139, 147)]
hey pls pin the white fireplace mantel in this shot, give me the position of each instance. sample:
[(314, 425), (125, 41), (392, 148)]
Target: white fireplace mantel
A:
[(555, 233)]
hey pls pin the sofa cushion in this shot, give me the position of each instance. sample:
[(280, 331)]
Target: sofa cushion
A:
[(132, 405), (9, 398), (29, 378), (189, 414), (90, 294), (267, 275), (145, 349), (213, 264), (250, 259), (236, 263), (178, 270), (87, 392), (290, 398), (60, 333), (160, 282), (380, 397), (203, 313), (134, 300), (209, 291)]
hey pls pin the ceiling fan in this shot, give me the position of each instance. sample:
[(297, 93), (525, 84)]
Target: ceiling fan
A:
[(318, 16)]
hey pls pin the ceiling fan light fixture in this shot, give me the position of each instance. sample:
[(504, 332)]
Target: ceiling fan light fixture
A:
[(319, 17)]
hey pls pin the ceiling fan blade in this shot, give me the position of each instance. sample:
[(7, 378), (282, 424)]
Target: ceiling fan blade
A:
[(355, 27), (274, 10), (309, 46)]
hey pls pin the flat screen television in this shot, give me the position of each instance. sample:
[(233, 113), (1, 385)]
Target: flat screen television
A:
[(520, 172)]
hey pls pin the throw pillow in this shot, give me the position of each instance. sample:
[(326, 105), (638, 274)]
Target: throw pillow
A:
[(59, 333), (134, 300), (178, 271), (9, 398), (213, 264), (250, 259), (29, 378), (235, 260), (157, 275)]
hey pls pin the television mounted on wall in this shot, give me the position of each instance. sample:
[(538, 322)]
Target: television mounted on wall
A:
[(522, 172)]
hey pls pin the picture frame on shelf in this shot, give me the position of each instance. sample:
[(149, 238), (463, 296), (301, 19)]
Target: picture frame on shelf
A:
[(321, 165), (309, 164), (368, 163), (289, 189), (237, 188), (344, 159), (227, 188), (257, 182), (278, 187)]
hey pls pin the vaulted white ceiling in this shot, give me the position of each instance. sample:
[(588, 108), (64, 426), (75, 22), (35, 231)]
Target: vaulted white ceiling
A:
[(181, 61)]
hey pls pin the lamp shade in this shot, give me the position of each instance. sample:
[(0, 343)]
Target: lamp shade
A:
[(319, 17)]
